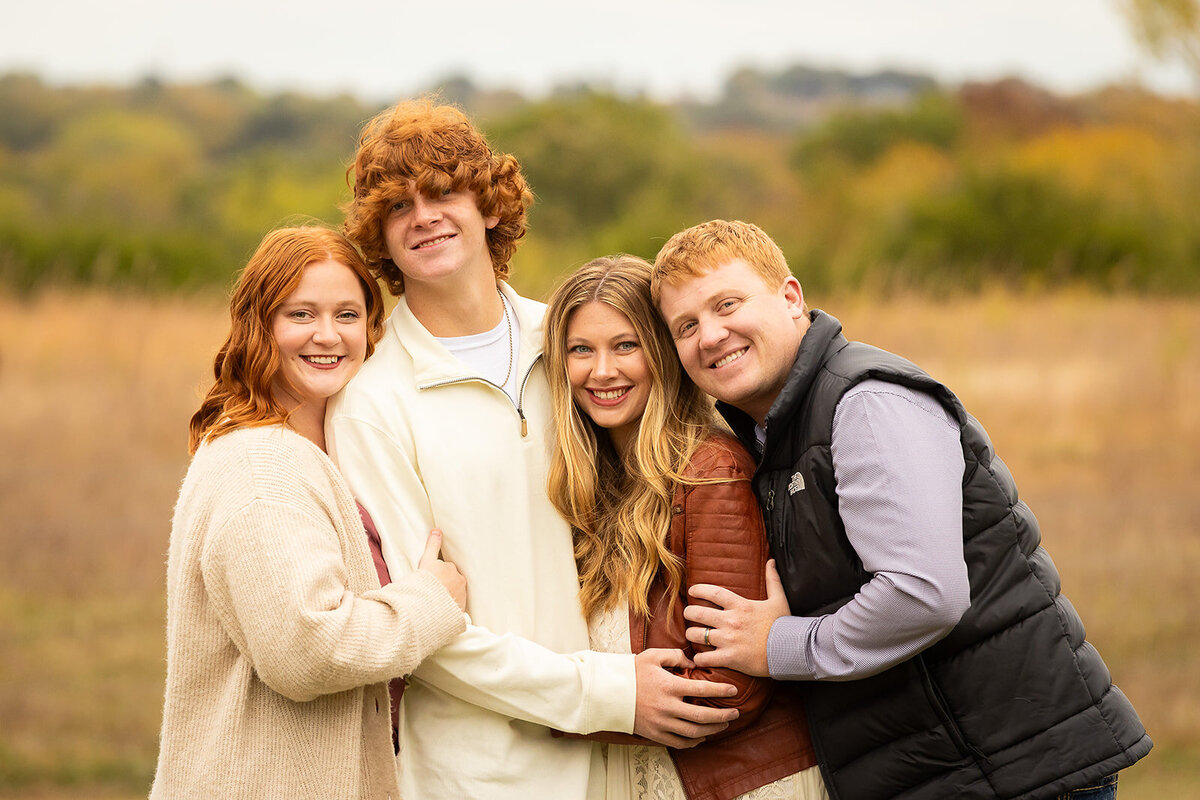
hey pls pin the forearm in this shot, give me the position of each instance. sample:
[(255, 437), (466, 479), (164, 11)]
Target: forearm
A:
[(505, 673), (898, 464), (884, 625), (581, 692), (277, 580)]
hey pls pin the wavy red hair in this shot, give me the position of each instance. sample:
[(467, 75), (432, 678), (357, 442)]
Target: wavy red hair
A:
[(247, 364), (420, 146)]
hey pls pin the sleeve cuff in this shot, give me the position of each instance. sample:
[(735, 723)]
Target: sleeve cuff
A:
[(613, 694), (787, 648), (437, 618)]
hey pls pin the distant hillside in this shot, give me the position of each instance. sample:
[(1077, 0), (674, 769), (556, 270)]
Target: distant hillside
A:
[(883, 179)]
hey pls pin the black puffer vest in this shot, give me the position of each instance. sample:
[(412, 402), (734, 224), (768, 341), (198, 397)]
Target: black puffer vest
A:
[(1013, 702)]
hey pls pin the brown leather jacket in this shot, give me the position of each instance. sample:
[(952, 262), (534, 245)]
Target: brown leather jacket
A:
[(717, 531)]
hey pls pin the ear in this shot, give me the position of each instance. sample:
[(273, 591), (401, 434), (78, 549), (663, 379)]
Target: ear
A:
[(794, 296), (490, 222)]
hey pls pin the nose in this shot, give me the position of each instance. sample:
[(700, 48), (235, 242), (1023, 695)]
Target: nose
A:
[(606, 365), (425, 211), (326, 332), (711, 333)]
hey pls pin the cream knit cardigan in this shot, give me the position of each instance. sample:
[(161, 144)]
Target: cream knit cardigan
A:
[(279, 638)]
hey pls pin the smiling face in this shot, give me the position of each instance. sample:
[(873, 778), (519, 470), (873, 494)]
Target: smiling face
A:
[(736, 336), (437, 239), (321, 332), (607, 370)]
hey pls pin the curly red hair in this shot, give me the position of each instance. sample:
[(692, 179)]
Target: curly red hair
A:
[(430, 149), (247, 364)]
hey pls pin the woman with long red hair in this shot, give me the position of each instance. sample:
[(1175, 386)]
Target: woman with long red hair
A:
[(280, 639)]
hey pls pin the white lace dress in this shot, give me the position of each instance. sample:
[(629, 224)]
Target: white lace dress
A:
[(637, 772)]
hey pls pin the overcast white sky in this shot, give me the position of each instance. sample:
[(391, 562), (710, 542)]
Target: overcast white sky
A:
[(382, 49)]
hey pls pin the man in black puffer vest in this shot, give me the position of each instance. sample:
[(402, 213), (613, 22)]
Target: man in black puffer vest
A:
[(912, 605)]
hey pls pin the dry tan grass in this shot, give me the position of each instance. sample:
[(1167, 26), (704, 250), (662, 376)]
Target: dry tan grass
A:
[(1091, 400)]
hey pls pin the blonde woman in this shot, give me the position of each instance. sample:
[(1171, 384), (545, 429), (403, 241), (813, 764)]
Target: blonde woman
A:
[(659, 498)]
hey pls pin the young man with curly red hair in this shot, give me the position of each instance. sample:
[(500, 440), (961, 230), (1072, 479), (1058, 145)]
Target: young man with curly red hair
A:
[(446, 426)]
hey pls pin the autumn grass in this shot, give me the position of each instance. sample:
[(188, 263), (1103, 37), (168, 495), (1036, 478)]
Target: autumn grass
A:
[(1093, 401)]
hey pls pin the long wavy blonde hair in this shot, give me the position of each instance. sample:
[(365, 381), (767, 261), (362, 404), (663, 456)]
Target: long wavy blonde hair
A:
[(619, 506)]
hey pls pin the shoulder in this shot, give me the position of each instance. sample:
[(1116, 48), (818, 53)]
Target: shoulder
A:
[(260, 442), (531, 316), (373, 391), (886, 400), (244, 446), (720, 455), (265, 462), (526, 308)]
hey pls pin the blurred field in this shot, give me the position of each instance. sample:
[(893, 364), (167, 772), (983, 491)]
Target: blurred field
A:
[(1092, 400)]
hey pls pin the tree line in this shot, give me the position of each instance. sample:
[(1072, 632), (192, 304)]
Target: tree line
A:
[(881, 181)]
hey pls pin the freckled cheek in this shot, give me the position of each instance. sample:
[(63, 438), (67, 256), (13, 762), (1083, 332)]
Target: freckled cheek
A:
[(393, 236)]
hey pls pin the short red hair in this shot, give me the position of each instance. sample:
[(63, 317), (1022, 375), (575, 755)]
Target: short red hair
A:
[(704, 247), (431, 148)]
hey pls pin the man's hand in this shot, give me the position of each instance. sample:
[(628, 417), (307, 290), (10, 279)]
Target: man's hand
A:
[(663, 714), (737, 629), (444, 571)]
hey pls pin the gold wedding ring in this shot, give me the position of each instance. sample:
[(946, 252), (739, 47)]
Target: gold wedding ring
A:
[(707, 631)]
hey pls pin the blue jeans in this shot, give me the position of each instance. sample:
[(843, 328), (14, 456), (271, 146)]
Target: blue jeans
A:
[(1104, 789)]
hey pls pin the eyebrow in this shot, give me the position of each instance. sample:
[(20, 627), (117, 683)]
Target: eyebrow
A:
[(673, 321), (307, 301)]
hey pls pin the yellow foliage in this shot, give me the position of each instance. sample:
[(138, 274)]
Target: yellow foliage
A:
[(908, 170), (1115, 161)]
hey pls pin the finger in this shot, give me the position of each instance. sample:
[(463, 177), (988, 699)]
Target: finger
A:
[(717, 595), (774, 584), (702, 616), (682, 742), (695, 717), (695, 634), (668, 658), (678, 742), (696, 688), (433, 546), (692, 731)]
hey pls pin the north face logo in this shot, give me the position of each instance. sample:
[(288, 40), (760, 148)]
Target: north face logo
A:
[(796, 484)]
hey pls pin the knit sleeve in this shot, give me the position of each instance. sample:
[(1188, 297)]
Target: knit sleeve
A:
[(278, 582)]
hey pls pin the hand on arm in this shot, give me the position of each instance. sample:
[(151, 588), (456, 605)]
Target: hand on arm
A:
[(739, 627), (664, 714), (446, 573), (898, 466), (578, 692), (277, 580)]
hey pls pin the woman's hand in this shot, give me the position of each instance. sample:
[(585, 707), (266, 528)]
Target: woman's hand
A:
[(444, 571)]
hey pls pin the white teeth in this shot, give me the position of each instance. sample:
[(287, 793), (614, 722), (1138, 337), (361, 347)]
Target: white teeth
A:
[(321, 359), (731, 357), (432, 242), (611, 395)]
